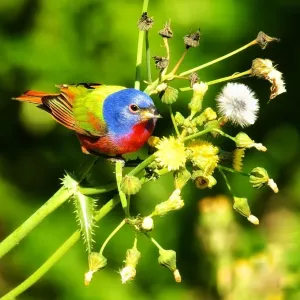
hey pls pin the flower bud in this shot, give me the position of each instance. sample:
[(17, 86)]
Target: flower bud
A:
[(181, 177), (192, 40), (145, 22), (130, 185), (259, 177), (167, 258), (173, 203), (242, 140), (96, 262), (169, 95), (209, 114), (196, 103), (129, 271), (241, 206), (179, 118)]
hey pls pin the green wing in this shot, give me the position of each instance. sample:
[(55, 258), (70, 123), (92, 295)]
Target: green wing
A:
[(88, 107)]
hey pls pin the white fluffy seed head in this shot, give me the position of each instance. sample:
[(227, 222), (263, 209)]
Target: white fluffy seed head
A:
[(238, 104)]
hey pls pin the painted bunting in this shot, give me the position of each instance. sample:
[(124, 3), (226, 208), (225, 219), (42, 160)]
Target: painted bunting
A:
[(109, 120)]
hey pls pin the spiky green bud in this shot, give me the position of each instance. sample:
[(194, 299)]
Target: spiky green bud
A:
[(130, 185)]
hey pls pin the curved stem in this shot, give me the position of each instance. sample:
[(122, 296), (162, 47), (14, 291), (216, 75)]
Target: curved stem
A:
[(233, 170), (111, 235), (61, 251), (119, 176), (254, 42)]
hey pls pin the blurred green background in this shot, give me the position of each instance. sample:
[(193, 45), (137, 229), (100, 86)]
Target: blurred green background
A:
[(220, 254)]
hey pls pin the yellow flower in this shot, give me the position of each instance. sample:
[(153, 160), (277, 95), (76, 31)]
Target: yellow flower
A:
[(204, 155), (170, 153)]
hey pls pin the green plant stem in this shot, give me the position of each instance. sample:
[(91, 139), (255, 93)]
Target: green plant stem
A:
[(111, 235), (148, 58), (234, 76), (226, 180), (58, 254), (119, 176), (61, 196), (224, 134), (179, 63), (98, 189), (154, 242), (233, 171), (166, 43), (195, 135), (254, 42), (173, 120), (139, 55)]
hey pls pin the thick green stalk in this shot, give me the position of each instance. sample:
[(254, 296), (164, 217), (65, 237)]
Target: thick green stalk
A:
[(148, 58), (61, 196), (97, 190), (58, 254), (139, 56)]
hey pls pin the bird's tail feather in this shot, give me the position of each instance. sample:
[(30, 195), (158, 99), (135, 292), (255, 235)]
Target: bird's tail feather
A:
[(33, 97)]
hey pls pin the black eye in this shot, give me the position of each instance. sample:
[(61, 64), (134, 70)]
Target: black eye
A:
[(133, 108)]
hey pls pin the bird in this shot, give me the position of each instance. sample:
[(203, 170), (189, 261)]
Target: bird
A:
[(108, 120)]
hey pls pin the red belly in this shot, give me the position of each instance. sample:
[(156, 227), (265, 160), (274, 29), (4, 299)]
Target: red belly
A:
[(117, 145)]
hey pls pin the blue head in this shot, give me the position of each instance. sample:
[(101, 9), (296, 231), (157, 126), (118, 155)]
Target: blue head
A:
[(126, 108)]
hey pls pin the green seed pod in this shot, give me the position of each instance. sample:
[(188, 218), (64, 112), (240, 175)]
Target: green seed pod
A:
[(167, 258), (96, 262), (169, 95), (130, 185), (242, 140), (241, 206)]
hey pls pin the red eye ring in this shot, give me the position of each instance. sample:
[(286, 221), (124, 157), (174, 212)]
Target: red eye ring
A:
[(133, 108)]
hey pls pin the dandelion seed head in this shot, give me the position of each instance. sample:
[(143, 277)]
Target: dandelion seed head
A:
[(238, 104)]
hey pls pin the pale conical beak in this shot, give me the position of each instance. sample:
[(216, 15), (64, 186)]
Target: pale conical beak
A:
[(150, 113)]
